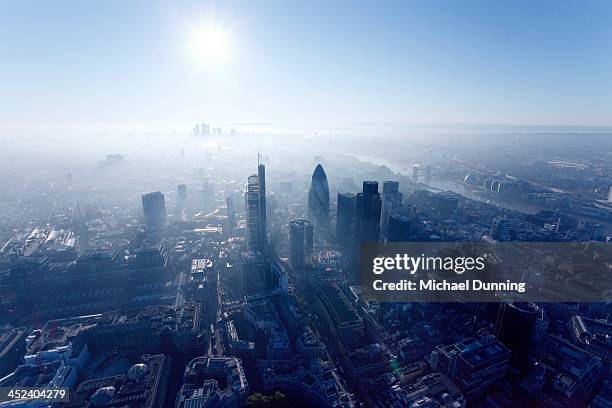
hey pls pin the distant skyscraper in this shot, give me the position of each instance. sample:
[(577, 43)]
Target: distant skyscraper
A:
[(251, 202), (181, 197), (231, 214), (391, 202), (399, 228), (301, 237), (154, 209), (514, 327), (610, 194), (261, 174), (345, 218), (369, 206), (255, 204), (318, 200)]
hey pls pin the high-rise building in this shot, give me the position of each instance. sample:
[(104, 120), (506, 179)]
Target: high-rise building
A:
[(301, 237), (154, 209), (261, 174), (181, 197), (391, 202), (345, 218), (255, 205), (205, 129), (231, 214), (399, 228), (318, 200), (514, 327), (251, 202), (610, 194), (255, 273), (369, 206)]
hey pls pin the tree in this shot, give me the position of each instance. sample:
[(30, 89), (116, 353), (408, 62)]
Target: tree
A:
[(259, 400)]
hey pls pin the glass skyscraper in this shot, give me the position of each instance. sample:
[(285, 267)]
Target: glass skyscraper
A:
[(318, 200)]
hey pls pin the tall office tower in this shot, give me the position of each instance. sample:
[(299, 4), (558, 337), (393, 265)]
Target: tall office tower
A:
[(251, 202), (610, 194), (428, 174), (181, 198), (345, 218), (391, 202), (255, 205), (196, 130), (154, 209), (318, 200), (399, 228), (369, 206), (514, 327), (415, 173), (263, 240), (231, 214), (301, 237), (255, 273), (204, 129), (500, 229)]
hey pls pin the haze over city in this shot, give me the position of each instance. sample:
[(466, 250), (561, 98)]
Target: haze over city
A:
[(201, 203)]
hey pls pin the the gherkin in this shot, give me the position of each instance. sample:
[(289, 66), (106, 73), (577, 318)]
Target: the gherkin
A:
[(318, 200)]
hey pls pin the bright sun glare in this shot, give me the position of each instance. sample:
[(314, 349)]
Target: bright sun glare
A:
[(210, 45)]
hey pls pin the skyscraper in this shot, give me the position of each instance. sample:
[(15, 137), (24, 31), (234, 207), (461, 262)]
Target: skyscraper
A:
[(301, 237), (181, 198), (251, 202), (399, 228), (610, 194), (154, 209), (514, 327), (231, 214), (318, 200), (255, 205), (391, 202), (369, 206), (345, 218), (261, 173)]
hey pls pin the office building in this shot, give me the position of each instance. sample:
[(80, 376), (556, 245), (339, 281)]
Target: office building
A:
[(391, 202), (399, 228), (263, 237), (473, 364), (345, 218), (318, 201), (181, 198), (231, 214), (514, 327), (154, 209), (255, 205), (142, 386), (301, 241), (213, 382), (368, 213)]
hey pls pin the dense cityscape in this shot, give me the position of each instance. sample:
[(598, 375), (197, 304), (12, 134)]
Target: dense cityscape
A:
[(228, 277)]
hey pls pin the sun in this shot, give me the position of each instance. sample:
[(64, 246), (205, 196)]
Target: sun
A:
[(210, 45)]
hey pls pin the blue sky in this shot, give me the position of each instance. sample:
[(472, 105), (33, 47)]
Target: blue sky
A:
[(307, 62)]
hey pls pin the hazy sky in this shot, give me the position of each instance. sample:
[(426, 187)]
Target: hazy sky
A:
[(304, 62)]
